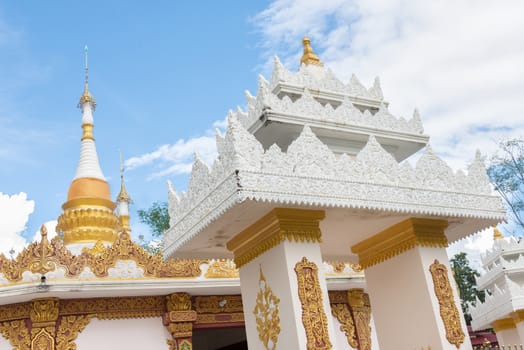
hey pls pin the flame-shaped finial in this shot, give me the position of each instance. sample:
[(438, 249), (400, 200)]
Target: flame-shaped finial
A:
[(496, 233), (309, 56)]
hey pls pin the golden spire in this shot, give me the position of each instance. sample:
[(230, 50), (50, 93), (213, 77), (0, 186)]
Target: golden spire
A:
[(496, 233), (309, 56), (86, 95), (123, 196), (88, 214)]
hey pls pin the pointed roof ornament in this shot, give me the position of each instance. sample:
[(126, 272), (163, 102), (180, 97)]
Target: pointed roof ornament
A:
[(86, 95), (309, 56), (123, 196), (496, 233)]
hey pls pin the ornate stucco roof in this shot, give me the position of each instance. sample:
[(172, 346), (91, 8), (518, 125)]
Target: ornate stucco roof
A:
[(311, 175)]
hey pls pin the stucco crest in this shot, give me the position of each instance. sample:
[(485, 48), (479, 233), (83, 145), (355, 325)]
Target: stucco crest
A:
[(311, 174), (309, 79)]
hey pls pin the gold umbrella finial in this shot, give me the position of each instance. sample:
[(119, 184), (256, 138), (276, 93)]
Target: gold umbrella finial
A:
[(309, 56), (496, 233)]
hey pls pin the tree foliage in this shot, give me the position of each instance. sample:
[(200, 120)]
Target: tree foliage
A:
[(507, 175), (156, 217), (465, 276)]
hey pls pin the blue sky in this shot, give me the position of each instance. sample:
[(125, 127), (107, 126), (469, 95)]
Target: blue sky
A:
[(164, 77), (159, 74)]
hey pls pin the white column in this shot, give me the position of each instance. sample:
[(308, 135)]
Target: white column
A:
[(283, 292), (412, 306)]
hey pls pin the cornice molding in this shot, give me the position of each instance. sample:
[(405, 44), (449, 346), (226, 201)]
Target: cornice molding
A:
[(280, 224), (399, 238)]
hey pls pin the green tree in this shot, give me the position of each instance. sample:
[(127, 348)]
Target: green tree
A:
[(506, 172), (156, 217), (465, 277)]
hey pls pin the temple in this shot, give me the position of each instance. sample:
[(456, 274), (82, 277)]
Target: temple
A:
[(269, 246)]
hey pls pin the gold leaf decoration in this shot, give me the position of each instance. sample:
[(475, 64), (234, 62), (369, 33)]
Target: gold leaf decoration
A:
[(361, 309), (17, 333), (222, 268), (68, 330), (314, 318), (44, 256), (266, 314), (343, 315), (218, 304), (448, 309)]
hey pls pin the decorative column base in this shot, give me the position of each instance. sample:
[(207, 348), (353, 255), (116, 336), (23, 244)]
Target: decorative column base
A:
[(411, 288), (285, 300)]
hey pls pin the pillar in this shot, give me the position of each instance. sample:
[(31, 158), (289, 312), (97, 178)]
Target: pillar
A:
[(179, 320), (411, 288), (286, 305), (507, 331), (43, 315)]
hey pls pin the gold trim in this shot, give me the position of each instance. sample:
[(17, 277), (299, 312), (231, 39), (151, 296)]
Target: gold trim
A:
[(347, 325), (399, 238), (220, 318), (314, 317), (361, 309), (178, 302), (280, 224), (44, 256), (266, 314), (448, 310), (222, 268), (115, 308), (503, 324), (68, 330), (17, 333), (218, 304)]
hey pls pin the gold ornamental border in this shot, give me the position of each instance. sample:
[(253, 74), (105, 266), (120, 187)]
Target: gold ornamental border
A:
[(45, 256), (280, 224), (400, 238), (448, 309), (314, 318)]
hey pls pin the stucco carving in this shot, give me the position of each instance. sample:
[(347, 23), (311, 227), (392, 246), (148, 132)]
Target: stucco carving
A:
[(345, 113), (310, 174)]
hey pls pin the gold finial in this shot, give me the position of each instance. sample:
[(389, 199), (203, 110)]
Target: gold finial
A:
[(123, 196), (43, 230), (496, 233), (86, 95), (309, 56)]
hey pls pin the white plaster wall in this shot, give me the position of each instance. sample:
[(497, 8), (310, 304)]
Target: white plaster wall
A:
[(278, 267), (129, 334), (508, 337), (404, 304), (4, 344)]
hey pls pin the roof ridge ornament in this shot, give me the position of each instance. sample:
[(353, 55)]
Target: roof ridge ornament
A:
[(309, 56), (86, 95)]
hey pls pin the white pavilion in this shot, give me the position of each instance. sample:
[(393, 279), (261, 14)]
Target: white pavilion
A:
[(502, 279), (269, 246)]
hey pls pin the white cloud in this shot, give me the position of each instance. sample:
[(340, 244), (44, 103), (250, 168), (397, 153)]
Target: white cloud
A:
[(51, 231), (15, 211), (473, 246), (459, 63), (178, 158)]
